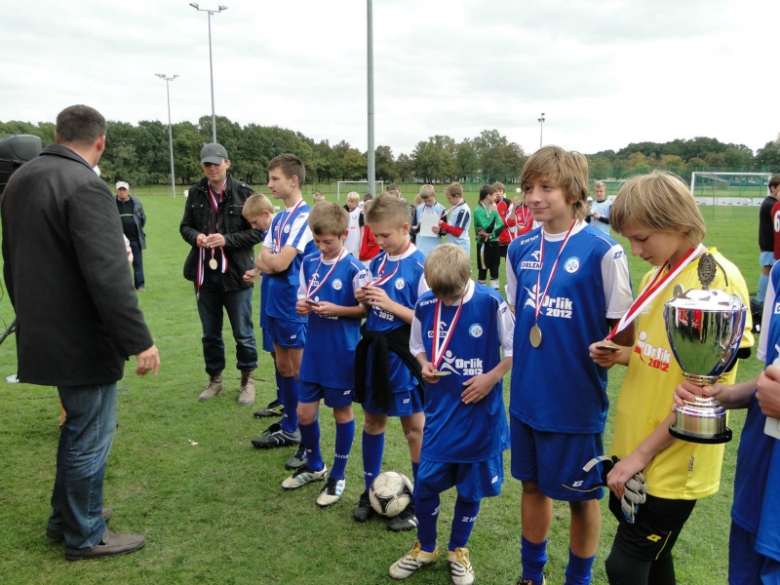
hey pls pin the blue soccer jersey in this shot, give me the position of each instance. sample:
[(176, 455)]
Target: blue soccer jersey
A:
[(288, 228), (401, 277), (329, 352), (758, 458), (557, 387), (456, 432), (460, 218)]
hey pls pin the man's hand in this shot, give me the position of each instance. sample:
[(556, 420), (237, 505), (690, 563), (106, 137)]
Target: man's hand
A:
[(148, 360), (215, 241)]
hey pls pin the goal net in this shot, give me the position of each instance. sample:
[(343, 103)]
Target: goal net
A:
[(344, 187), (729, 188)]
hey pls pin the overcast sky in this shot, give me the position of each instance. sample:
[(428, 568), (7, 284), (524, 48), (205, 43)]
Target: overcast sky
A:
[(605, 72)]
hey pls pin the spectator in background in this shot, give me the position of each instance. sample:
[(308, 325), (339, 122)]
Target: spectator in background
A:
[(131, 212), (600, 208), (766, 240)]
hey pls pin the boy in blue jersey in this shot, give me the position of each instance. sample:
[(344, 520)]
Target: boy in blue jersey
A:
[(569, 283), (285, 244), (428, 207), (326, 295), (457, 219), (466, 429), (259, 212), (754, 542), (388, 380)]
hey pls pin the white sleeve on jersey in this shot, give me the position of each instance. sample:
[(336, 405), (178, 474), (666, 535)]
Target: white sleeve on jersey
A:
[(301, 284), (617, 282), (511, 283), (300, 223), (416, 346), (422, 288), (766, 317), (506, 328), (268, 241)]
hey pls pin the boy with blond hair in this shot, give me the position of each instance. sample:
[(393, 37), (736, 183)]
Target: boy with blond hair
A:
[(355, 229), (326, 295), (426, 243), (455, 222), (388, 379), (600, 208), (459, 333), (569, 283)]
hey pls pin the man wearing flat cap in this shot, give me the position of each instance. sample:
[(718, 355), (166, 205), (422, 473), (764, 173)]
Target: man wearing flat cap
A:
[(222, 251), (131, 212)]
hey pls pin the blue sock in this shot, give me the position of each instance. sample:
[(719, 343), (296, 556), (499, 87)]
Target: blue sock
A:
[(310, 435), (763, 282), (345, 434), (533, 558), (373, 449), (279, 393), (578, 570), (463, 519), (427, 511), (290, 401), (415, 467)]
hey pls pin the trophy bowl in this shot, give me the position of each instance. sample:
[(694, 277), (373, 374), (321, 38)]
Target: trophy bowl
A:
[(705, 329)]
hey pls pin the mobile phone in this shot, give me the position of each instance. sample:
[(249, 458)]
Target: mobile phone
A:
[(614, 348)]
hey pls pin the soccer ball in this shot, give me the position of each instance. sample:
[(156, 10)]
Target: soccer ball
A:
[(390, 493)]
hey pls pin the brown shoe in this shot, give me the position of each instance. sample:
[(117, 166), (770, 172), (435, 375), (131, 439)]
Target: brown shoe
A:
[(214, 388), (111, 545), (247, 395), (57, 532)]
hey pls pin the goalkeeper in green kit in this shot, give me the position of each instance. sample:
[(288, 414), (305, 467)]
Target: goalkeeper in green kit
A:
[(488, 226)]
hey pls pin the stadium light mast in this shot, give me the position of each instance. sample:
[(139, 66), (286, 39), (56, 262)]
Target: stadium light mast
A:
[(170, 132), (211, 11), (541, 126), (370, 53)]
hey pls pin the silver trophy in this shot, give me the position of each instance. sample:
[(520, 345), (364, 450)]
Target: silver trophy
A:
[(705, 329)]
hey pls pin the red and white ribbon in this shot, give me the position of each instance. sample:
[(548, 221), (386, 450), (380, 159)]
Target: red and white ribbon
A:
[(280, 233), (310, 293), (438, 351), (537, 300), (380, 280)]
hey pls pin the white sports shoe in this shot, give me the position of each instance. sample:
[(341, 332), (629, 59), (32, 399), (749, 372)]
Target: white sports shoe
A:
[(460, 566), (412, 561), (303, 476), (331, 493)]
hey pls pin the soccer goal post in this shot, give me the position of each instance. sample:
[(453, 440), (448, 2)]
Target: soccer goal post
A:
[(359, 186), (729, 188)]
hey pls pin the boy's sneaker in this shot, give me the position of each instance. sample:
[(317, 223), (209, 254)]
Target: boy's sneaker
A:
[(412, 561), (297, 459), (274, 436), (460, 566), (363, 511), (522, 581), (275, 408), (331, 493), (303, 476), (406, 520)]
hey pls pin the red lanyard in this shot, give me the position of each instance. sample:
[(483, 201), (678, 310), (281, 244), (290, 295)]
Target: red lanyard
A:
[(438, 352), (310, 293), (284, 224), (539, 301), (381, 280)]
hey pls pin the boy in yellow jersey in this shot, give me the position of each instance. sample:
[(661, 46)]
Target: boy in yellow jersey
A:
[(662, 222)]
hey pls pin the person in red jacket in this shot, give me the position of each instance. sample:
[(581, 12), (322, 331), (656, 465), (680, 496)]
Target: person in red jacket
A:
[(502, 206), (519, 220), (368, 246)]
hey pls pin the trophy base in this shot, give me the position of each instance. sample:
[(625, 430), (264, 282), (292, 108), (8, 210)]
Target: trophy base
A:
[(715, 439)]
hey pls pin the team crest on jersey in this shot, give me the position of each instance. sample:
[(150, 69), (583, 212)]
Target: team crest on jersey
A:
[(399, 283), (654, 357), (337, 284), (470, 367), (529, 265), (572, 265), (476, 330)]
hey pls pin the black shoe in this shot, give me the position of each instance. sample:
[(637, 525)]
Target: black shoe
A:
[(57, 532), (297, 459), (363, 511), (406, 520), (276, 408), (274, 436)]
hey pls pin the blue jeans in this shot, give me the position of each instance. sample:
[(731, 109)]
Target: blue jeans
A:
[(85, 441), (238, 304), (138, 263)]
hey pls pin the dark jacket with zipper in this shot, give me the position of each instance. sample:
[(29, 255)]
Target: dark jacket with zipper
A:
[(240, 238)]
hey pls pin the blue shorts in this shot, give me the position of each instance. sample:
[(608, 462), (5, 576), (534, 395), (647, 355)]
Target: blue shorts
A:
[(268, 344), (555, 459), (766, 259), (746, 566), (334, 397), (288, 334), (401, 403), (473, 481)]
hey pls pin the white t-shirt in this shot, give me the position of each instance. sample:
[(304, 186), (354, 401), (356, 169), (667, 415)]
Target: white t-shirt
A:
[(352, 243)]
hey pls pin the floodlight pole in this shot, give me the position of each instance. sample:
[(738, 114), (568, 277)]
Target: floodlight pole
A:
[(541, 126), (370, 52), (211, 11), (170, 132)]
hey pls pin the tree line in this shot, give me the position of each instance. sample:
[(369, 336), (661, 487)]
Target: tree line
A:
[(139, 154)]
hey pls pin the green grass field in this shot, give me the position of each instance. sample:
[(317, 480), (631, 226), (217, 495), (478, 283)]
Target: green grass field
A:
[(214, 512)]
